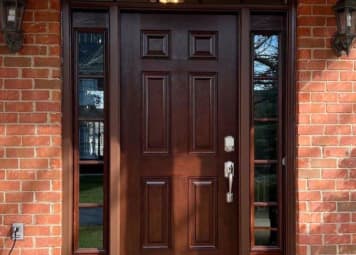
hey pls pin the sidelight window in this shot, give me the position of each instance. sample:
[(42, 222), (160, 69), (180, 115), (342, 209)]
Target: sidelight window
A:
[(90, 124), (267, 128)]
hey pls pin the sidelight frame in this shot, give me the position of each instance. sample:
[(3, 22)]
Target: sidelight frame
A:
[(243, 12)]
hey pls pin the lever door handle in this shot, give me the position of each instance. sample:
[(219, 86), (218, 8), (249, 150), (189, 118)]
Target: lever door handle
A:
[(229, 174)]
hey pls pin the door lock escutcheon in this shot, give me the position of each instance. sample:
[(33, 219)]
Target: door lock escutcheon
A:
[(229, 143)]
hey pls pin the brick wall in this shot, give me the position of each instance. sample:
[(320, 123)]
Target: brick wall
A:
[(30, 138), (326, 135), (30, 134)]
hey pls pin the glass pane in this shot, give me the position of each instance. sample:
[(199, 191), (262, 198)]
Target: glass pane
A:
[(266, 183), (91, 140), (266, 217), (266, 237), (91, 98), (266, 99), (266, 48), (91, 184), (91, 53), (91, 228), (266, 140)]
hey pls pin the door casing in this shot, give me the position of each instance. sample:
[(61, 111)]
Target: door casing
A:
[(243, 12)]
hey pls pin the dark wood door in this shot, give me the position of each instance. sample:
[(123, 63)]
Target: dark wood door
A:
[(178, 102)]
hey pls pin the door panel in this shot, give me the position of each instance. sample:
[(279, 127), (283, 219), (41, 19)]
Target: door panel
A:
[(178, 102)]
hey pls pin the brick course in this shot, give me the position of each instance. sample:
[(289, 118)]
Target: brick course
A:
[(30, 134), (326, 143)]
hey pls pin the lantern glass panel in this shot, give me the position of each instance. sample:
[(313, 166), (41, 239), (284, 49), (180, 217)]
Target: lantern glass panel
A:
[(11, 19), (353, 22), (341, 21)]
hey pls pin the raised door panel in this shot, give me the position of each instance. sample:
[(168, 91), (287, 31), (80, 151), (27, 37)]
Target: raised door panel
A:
[(203, 111), (155, 113), (155, 227), (202, 213)]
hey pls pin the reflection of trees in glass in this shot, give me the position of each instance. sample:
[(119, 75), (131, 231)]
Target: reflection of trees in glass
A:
[(266, 49), (266, 99), (266, 55), (91, 53)]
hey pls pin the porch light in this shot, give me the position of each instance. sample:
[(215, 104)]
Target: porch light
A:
[(11, 12), (346, 26), (171, 1)]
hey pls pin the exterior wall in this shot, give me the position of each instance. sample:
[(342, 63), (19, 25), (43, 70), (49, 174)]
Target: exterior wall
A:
[(30, 134), (326, 135)]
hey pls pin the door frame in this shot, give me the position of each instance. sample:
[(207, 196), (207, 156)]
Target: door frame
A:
[(244, 77)]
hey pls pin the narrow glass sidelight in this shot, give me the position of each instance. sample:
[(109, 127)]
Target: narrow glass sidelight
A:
[(90, 207), (267, 137)]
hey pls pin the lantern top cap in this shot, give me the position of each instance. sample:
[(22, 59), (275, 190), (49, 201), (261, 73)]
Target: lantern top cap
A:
[(21, 2), (345, 4)]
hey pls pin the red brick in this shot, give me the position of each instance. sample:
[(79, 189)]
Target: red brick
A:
[(21, 197), (20, 130), (47, 219), (35, 208), (321, 184), (19, 107), (48, 196), (48, 107), (35, 95), (18, 84), (322, 206), (26, 219), (345, 184), (337, 239), (17, 61), (47, 16), (336, 217), (34, 163), (47, 84), (36, 186), (36, 140), (46, 62), (33, 118), (336, 196), (35, 73), (48, 152), (19, 153)]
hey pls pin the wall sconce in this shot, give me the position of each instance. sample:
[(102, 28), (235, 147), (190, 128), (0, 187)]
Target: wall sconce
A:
[(171, 1), (346, 26), (11, 12)]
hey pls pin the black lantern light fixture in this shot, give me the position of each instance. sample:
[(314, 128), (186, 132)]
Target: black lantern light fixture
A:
[(346, 26), (11, 12)]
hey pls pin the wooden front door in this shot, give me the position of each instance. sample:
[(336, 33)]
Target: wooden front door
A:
[(178, 103)]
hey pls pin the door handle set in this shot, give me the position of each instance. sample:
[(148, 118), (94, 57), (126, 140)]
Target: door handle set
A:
[(229, 167), (229, 174)]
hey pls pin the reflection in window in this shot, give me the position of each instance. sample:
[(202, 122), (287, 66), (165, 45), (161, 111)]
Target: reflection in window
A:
[(91, 184), (266, 48), (266, 183), (91, 227), (91, 137), (266, 125), (91, 53), (91, 97), (266, 99), (266, 140)]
